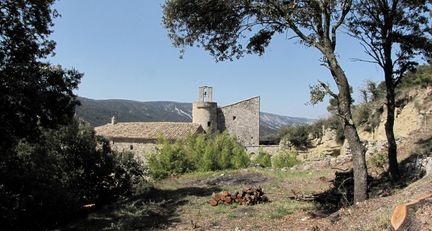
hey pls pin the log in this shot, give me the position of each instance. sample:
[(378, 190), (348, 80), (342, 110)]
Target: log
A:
[(216, 196), (248, 196), (213, 202)]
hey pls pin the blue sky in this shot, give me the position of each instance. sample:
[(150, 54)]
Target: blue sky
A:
[(124, 52)]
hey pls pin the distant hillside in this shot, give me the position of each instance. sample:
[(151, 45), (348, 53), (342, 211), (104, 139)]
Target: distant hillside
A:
[(99, 112)]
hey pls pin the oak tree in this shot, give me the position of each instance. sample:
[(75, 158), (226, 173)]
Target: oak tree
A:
[(230, 29), (33, 93), (395, 34)]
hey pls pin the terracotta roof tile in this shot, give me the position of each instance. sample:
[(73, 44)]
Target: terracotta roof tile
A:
[(148, 130)]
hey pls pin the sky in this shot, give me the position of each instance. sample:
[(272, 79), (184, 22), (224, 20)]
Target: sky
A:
[(124, 52)]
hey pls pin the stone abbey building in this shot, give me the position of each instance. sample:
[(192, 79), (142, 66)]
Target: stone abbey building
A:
[(240, 119)]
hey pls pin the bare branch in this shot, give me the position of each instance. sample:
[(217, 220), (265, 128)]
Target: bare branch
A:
[(363, 60), (346, 6)]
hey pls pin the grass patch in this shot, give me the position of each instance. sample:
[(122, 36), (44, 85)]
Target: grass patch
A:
[(284, 208), (228, 210), (279, 212), (281, 209)]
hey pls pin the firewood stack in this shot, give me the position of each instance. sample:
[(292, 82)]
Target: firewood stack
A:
[(249, 196)]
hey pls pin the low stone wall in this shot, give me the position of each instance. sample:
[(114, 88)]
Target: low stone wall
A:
[(139, 149)]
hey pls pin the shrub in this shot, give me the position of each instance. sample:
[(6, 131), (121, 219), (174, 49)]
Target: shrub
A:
[(361, 114), (296, 135), (333, 122), (48, 182), (284, 159), (421, 77), (169, 160), (263, 159), (197, 153), (379, 160)]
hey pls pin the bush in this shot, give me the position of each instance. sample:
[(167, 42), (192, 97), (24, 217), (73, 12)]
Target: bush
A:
[(296, 135), (197, 153), (284, 159), (333, 122), (421, 77), (48, 182), (263, 159), (361, 114), (379, 160), (170, 159)]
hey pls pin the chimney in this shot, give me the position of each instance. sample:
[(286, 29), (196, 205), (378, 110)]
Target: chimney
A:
[(113, 120)]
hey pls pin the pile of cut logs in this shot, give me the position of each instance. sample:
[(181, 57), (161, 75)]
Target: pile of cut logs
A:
[(249, 196)]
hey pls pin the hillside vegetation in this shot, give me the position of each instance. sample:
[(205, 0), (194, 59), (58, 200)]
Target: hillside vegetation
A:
[(413, 103)]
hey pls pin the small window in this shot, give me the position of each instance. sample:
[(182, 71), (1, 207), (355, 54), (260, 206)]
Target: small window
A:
[(234, 117), (131, 147), (208, 124), (251, 137)]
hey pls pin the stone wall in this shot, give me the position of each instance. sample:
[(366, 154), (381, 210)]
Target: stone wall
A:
[(205, 114), (141, 149), (242, 120)]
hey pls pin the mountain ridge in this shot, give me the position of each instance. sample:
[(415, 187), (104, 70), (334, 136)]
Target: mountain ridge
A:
[(99, 112)]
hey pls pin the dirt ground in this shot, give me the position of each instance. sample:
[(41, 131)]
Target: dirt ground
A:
[(181, 203)]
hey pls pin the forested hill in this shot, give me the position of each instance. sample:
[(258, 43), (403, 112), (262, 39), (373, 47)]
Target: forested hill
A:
[(99, 112)]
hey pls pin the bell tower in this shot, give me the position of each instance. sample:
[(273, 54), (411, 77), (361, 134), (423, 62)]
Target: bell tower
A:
[(204, 110)]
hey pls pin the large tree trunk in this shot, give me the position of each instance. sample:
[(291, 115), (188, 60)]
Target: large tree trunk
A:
[(392, 146), (357, 149)]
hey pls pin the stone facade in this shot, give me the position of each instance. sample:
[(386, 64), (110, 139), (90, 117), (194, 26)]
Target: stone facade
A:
[(140, 148), (141, 138), (242, 120), (205, 114)]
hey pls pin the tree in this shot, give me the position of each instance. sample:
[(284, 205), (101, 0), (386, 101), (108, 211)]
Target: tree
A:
[(394, 33), (370, 92), (296, 135), (33, 94), (49, 181), (231, 29)]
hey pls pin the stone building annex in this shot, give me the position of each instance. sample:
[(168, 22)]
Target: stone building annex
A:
[(240, 119)]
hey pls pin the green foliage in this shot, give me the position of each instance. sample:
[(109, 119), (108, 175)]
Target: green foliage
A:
[(279, 212), (51, 180), (230, 29), (197, 153), (296, 135), (379, 160), (263, 159), (333, 122), (317, 94), (33, 93), (372, 91), (284, 159), (421, 77), (170, 159), (361, 114)]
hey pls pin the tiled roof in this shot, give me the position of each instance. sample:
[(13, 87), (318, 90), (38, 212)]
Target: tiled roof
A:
[(148, 130)]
